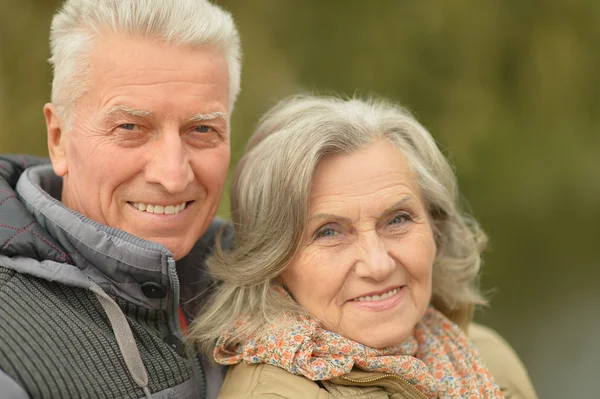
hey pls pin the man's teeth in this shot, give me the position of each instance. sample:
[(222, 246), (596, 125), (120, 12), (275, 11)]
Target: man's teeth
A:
[(377, 297), (160, 209)]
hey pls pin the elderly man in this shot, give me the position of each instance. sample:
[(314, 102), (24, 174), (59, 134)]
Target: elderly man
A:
[(98, 250)]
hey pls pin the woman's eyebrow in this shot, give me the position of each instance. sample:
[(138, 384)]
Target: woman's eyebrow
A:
[(329, 216), (338, 218), (398, 204)]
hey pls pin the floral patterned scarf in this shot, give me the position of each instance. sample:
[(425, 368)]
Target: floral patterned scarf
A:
[(438, 360)]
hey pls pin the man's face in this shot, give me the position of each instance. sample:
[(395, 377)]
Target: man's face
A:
[(148, 149)]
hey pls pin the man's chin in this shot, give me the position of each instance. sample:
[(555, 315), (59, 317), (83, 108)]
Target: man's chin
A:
[(179, 248)]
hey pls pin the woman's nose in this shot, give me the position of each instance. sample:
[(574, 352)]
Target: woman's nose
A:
[(374, 260)]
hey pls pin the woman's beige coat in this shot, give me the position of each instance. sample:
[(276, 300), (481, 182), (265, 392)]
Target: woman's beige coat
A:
[(245, 381)]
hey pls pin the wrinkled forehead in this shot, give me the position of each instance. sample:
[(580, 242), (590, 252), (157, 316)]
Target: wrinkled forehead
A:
[(151, 77), (375, 172)]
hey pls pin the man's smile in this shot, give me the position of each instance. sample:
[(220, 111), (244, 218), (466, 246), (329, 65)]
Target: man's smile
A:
[(159, 209)]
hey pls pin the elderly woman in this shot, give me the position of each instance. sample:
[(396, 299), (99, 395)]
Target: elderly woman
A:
[(354, 272)]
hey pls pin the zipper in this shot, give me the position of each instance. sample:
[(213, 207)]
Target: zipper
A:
[(382, 377), (176, 328), (175, 284), (201, 376)]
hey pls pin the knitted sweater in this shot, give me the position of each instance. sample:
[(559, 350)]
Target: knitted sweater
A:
[(89, 311)]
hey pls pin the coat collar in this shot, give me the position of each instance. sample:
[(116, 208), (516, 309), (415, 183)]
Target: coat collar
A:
[(115, 260)]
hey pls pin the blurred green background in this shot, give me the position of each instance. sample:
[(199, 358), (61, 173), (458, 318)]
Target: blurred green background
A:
[(510, 89)]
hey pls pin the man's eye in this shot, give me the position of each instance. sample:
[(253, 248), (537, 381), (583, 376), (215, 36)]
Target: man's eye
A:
[(203, 129), (127, 126)]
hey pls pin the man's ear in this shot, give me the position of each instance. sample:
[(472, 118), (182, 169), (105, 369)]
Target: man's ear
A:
[(57, 140)]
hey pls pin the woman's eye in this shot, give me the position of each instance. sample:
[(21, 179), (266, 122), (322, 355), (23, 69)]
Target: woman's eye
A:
[(202, 129), (399, 219), (326, 232), (127, 126)]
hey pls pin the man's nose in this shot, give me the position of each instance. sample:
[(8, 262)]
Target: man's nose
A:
[(374, 260), (168, 163)]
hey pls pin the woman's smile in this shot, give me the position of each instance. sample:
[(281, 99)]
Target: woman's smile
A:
[(385, 301)]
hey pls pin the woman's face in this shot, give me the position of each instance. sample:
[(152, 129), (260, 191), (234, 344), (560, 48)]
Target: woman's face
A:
[(365, 262)]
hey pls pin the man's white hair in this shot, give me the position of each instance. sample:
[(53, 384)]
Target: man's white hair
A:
[(182, 22)]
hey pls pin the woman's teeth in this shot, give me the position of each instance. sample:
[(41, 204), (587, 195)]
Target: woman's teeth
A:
[(159, 209), (377, 297)]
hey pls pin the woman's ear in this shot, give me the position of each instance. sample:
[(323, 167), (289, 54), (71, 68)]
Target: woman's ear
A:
[(57, 140)]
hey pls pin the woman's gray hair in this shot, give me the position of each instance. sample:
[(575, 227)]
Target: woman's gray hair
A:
[(269, 203), (183, 22)]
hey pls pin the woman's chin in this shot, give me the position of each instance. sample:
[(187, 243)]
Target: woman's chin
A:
[(376, 338), (382, 329)]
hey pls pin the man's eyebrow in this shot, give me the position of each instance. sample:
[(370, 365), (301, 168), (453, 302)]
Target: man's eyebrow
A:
[(208, 117), (128, 110)]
